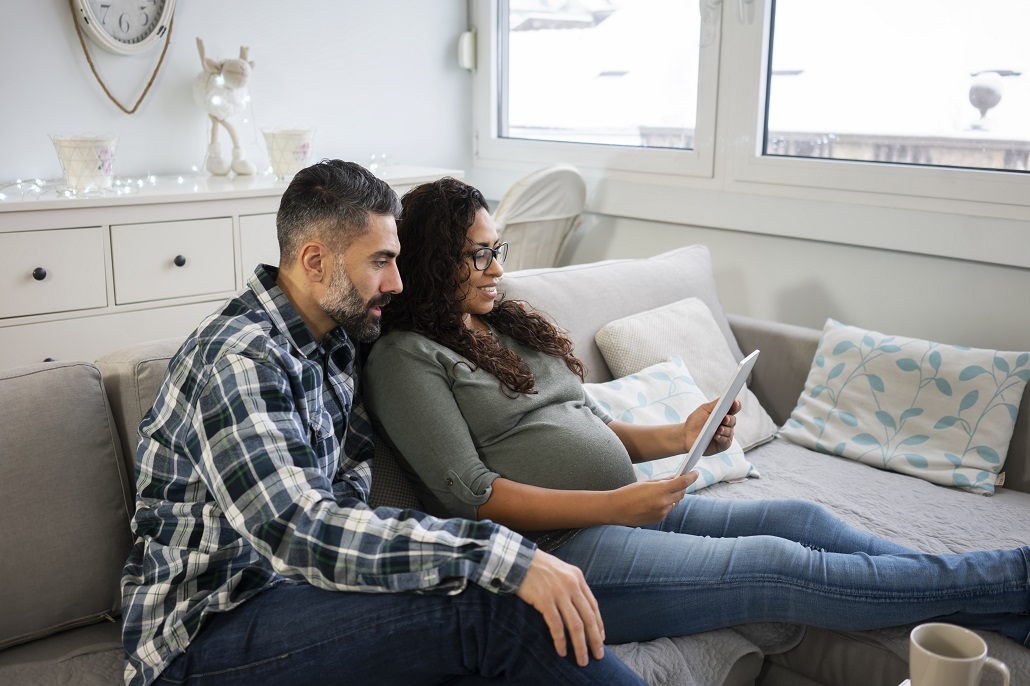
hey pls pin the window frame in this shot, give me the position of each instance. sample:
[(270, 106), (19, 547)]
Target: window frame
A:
[(746, 57), (490, 149), (729, 135)]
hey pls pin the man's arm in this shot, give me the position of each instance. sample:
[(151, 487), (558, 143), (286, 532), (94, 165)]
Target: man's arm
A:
[(254, 456)]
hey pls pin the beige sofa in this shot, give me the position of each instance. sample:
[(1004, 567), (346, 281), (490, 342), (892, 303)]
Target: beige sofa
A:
[(67, 441)]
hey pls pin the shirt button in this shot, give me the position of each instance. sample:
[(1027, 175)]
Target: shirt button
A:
[(449, 481), (495, 582)]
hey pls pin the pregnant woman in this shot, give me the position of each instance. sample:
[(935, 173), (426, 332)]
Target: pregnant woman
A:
[(482, 399)]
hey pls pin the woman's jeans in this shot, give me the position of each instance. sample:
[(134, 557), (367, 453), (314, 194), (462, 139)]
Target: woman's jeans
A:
[(298, 634), (714, 563)]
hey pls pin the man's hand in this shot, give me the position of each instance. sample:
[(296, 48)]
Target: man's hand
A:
[(559, 592), (647, 502), (723, 436)]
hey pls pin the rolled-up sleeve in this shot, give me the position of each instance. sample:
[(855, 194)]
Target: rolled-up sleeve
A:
[(596, 409), (409, 395)]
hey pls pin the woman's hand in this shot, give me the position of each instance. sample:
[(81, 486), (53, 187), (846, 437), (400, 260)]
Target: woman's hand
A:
[(696, 421), (647, 502)]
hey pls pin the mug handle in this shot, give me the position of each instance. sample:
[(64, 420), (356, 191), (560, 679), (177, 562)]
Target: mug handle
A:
[(1002, 669)]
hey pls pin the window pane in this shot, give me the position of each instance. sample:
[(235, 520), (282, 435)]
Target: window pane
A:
[(614, 72), (931, 82)]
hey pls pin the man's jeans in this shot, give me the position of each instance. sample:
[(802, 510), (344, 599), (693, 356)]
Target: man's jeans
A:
[(298, 634), (714, 563)]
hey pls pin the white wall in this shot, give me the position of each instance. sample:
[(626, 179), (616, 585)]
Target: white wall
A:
[(771, 261), (955, 275), (371, 77), (804, 282)]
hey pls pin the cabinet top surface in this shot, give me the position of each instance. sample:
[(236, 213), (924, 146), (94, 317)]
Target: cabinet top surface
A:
[(34, 194)]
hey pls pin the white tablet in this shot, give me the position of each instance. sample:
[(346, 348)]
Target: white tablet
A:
[(721, 410)]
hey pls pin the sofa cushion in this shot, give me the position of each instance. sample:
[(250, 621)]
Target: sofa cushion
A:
[(87, 656), (665, 393), (943, 413), (133, 376), (688, 329), (391, 487), (843, 659), (64, 501), (583, 298)]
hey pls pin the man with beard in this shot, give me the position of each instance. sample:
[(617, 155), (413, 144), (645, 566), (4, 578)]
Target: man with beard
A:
[(257, 559)]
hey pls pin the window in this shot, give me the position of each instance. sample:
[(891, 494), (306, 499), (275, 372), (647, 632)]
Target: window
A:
[(878, 102), (929, 82), (617, 84), (600, 71)]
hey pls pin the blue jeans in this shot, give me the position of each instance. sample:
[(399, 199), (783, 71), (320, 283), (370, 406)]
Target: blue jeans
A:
[(299, 634), (714, 563)]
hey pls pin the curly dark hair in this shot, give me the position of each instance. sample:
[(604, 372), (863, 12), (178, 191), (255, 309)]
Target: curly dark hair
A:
[(433, 232)]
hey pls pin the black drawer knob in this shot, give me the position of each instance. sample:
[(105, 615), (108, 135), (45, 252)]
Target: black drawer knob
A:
[(39, 273), (50, 359), (180, 260)]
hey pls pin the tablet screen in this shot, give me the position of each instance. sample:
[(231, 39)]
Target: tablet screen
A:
[(721, 409)]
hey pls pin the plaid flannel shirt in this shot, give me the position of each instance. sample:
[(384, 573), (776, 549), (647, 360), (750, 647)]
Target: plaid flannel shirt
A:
[(254, 469)]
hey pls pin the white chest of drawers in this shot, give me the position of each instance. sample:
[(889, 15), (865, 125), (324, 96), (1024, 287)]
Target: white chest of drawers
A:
[(81, 277)]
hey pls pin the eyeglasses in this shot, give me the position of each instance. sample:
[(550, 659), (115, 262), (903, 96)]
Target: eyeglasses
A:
[(482, 257)]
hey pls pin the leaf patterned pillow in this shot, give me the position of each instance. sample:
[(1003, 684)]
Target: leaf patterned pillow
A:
[(665, 393), (943, 413)]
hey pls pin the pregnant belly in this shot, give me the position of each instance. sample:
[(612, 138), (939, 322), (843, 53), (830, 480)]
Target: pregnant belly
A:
[(578, 453)]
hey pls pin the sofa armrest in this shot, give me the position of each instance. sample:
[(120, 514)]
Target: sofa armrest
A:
[(780, 373), (1017, 463)]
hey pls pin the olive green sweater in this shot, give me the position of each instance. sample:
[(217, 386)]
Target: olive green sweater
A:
[(456, 430)]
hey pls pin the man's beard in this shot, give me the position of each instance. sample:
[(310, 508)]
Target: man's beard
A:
[(343, 304)]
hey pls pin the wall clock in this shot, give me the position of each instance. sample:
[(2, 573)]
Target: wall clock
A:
[(124, 27)]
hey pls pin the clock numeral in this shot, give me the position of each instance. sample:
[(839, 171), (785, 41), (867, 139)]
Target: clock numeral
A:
[(125, 26), (144, 7), (125, 19)]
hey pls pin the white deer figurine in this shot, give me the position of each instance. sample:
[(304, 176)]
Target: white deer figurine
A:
[(221, 90)]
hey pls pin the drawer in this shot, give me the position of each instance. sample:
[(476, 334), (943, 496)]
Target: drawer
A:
[(172, 259), (259, 243), (87, 338), (51, 271)]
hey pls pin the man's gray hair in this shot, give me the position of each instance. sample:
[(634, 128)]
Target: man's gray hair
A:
[(330, 201)]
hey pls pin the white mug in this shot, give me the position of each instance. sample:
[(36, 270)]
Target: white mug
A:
[(949, 655)]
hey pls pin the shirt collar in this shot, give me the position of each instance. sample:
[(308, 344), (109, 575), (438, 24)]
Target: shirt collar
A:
[(285, 317)]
